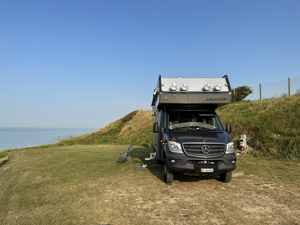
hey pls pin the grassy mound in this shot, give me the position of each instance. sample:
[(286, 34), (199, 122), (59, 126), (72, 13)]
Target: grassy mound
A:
[(135, 127), (271, 126)]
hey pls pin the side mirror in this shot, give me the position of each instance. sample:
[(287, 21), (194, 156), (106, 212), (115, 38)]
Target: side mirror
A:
[(228, 128), (155, 127)]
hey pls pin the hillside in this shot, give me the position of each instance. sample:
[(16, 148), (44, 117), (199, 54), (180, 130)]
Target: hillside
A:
[(135, 127), (271, 127)]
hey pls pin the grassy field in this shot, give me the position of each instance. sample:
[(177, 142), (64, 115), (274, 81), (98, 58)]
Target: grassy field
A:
[(83, 185)]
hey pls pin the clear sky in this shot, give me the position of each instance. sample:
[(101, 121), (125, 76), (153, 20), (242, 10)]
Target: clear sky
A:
[(84, 64)]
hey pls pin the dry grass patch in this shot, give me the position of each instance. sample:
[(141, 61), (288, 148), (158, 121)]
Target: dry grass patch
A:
[(84, 185), (136, 128)]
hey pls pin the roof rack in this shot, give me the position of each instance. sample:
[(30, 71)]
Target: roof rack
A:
[(209, 91)]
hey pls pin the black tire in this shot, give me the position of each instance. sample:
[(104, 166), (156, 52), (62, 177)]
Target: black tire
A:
[(158, 160), (168, 174), (226, 177)]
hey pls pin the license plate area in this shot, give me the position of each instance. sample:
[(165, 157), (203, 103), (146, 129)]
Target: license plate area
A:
[(209, 168)]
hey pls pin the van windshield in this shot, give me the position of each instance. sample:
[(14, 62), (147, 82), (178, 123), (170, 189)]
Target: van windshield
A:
[(193, 120)]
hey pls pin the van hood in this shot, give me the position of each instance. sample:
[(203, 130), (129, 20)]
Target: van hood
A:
[(200, 136)]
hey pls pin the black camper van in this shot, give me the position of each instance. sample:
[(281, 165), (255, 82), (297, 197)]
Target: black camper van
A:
[(188, 136)]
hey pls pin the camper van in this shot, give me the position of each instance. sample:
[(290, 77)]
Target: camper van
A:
[(188, 136)]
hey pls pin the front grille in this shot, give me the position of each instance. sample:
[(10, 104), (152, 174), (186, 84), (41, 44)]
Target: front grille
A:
[(195, 150)]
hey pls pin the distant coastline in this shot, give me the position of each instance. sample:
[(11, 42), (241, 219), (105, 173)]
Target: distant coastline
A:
[(22, 137)]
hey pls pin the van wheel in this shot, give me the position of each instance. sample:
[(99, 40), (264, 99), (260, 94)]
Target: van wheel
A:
[(159, 161), (168, 174), (226, 177)]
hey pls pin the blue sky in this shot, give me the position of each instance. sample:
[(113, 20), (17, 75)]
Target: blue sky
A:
[(87, 63)]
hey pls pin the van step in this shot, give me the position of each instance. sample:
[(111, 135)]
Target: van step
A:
[(152, 156)]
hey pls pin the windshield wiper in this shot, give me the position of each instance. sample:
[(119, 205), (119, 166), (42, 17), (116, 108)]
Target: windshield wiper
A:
[(216, 131)]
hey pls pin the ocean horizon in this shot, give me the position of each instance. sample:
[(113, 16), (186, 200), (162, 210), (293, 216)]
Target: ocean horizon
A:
[(22, 137)]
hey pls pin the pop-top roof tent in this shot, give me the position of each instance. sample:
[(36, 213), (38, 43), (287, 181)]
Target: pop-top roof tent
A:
[(212, 92)]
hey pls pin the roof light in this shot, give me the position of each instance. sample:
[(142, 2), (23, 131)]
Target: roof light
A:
[(174, 87), (184, 87), (207, 87), (218, 87)]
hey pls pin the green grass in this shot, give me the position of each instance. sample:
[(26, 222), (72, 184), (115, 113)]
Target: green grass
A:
[(136, 128), (3, 157), (84, 185), (271, 126), (77, 181)]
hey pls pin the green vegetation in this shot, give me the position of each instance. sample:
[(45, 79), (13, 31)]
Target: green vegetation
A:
[(136, 128), (83, 185), (77, 181), (240, 93), (3, 156), (271, 126)]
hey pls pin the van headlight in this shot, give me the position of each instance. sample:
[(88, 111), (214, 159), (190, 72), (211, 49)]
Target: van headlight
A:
[(229, 148), (175, 147)]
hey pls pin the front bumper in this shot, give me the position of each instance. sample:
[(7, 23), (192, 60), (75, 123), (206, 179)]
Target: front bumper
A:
[(184, 164)]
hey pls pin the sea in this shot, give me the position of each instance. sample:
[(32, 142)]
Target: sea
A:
[(20, 137)]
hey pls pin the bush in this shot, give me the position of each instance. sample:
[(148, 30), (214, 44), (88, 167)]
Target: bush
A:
[(3, 156), (240, 93)]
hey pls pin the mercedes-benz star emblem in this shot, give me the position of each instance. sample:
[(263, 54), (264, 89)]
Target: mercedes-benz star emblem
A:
[(205, 149)]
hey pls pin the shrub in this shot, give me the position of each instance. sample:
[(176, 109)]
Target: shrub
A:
[(240, 93)]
